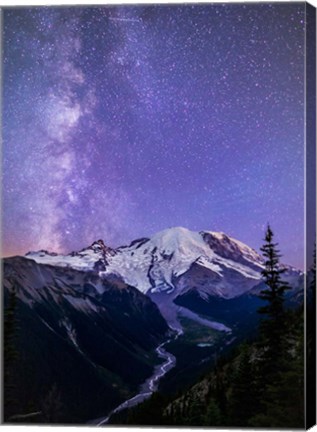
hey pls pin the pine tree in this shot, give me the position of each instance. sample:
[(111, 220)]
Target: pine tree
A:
[(196, 411), (212, 415), (274, 349), (273, 327), (283, 398), (220, 391), (243, 398)]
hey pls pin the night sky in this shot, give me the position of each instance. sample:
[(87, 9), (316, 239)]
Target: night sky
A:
[(120, 121)]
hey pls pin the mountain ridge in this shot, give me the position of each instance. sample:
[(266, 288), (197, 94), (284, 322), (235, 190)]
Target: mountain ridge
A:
[(74, 327), (167, 261)]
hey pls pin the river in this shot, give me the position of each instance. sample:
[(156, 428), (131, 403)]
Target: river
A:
[(151, 384)]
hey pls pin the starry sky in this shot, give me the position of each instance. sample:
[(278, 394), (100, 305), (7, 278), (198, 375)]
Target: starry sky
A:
[(122, 121)]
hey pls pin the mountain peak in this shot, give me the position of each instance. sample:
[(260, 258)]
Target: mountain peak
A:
[(161, 262), (98, 245)]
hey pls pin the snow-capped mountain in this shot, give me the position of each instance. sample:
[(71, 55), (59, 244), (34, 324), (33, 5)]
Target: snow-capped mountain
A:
[(172, 261), (206, 272), (177, 259), (93, 257)]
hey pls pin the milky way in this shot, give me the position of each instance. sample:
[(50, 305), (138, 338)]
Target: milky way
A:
[(122, 121)]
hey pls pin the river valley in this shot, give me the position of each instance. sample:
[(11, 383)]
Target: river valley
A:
[(151, 384)]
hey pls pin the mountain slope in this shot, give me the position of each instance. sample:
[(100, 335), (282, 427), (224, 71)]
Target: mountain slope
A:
[(173, 261), (167, 260), (82, 334)]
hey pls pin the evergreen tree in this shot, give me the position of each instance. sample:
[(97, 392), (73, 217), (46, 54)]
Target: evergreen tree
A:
[(273, 327), (196, 410), (243, 398), (276, 364), (283, 398), (220, 391), (212, 415)]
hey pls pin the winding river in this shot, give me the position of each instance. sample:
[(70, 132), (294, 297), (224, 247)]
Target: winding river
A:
[(151, 384)]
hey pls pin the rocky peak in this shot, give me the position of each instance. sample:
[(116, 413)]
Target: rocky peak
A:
[(230, 248), (99, 246)]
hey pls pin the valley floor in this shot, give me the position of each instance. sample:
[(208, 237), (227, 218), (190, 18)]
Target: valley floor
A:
[(184, 320)]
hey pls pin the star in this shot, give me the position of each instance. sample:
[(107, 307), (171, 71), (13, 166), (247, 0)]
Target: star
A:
[(121, 121)]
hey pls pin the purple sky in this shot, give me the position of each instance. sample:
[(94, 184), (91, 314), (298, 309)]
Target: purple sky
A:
[(119, 122)]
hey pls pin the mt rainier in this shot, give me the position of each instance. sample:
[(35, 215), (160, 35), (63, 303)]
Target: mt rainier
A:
[(173, 261)]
